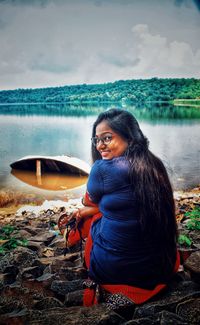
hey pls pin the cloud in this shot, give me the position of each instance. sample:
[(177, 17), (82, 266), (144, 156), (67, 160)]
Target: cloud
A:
[(50, 43), (187, 3), (41, 3), (119, 60), (157, 56), (2, 23), (30, 44)]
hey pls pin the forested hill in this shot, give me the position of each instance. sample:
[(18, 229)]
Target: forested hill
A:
[(125, 91)]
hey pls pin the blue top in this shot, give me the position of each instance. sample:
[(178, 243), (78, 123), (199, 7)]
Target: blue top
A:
[(120, 254)]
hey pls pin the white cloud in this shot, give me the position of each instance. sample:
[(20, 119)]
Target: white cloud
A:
[(71, 42), (159, 57)]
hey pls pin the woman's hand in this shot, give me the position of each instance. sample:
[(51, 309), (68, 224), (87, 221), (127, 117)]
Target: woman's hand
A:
[(76, 214), (84, 212)]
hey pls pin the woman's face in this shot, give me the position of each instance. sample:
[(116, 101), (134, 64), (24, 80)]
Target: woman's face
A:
[(108, 143)]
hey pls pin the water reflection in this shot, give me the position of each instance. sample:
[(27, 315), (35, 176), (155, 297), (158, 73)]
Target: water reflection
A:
[(61, 129), (50, 181), (147, 111), (164, 113), (53, 109)]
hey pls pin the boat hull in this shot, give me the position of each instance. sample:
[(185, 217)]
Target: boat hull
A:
[(53, 164)]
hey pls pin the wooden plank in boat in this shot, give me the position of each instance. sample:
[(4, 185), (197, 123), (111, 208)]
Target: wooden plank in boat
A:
[(49, 164)]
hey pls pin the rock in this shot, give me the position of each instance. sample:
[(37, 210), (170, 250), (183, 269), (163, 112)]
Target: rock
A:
[(74, 298), (195, 236), (141, 321), (64, 287), (60, 266), (72, 273), (70, 316), (6, 278), (183, 288), (189, 310), (15, 317), (48, 302), (22, 234), (58, 242), (46, 277), (33, 288), (45, 237), (72, 257), (47, 270), (9, 307), (167, 318), (31, 272), (36, 247), (162, 318), (33, 230), (48, 252), (20, 257), (48, 208), (18, 296), (37, 262), (56, 262), (59, 245), (193, 265), (59, 251), (12, 270), (169, 299)]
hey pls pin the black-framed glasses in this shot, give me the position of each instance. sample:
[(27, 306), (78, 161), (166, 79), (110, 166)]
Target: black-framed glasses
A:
[(105, 139)]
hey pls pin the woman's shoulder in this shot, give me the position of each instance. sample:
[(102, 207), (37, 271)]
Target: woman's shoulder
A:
[(111, 165), (121, 160), (112, 172)]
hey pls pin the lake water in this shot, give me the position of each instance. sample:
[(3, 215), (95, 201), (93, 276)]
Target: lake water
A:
[(173, 132)]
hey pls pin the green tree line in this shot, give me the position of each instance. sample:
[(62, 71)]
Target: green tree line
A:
[(124, 91)]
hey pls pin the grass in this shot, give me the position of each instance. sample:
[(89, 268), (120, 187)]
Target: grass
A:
[(8, 198), (8, 241), (192, 224), (184, 241), (194, 219)]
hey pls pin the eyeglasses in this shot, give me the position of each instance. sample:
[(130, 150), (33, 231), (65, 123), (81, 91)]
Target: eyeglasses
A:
[(106, 139)]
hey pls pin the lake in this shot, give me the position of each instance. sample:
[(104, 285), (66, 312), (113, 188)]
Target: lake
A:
[(55, 129)]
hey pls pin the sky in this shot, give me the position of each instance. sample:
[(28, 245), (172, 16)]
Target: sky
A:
[(47, 43)]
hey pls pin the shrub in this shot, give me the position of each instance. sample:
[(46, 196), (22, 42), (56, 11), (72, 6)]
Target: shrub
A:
[(194, 219)]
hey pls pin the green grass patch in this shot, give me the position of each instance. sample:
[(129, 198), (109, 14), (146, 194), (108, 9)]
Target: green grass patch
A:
[(8, 241), (184, 240), (194, 219)]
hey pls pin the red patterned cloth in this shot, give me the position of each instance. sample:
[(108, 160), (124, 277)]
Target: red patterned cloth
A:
[(137, 295)]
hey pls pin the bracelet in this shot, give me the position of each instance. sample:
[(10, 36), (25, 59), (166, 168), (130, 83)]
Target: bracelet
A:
[(82, 201), (79, 213)]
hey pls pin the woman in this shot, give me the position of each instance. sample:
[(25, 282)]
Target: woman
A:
[(134, 237)]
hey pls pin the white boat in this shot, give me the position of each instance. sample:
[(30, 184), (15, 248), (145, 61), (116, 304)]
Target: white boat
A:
[(50, 164)]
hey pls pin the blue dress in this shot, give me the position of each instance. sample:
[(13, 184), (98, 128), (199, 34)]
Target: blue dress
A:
[(120, 254)]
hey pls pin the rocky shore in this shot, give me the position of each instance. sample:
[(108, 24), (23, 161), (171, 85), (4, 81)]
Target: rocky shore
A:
[(41, 285)]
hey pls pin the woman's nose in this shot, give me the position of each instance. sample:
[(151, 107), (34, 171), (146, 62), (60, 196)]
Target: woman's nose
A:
[(101, 143)]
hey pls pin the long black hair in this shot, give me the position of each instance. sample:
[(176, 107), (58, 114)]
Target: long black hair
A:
[(149, 179)]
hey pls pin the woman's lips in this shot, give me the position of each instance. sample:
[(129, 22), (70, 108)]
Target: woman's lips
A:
[(104, 153)]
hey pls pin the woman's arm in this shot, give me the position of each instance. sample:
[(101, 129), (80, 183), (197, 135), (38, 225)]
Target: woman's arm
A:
[(84, 212)]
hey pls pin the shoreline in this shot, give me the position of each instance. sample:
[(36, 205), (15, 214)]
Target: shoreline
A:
[(11, 201), (174, 102), (10, 194)]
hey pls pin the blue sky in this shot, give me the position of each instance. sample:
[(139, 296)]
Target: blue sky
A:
[(62, 42)]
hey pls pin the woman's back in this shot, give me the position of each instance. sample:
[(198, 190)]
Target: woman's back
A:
[(121, 252)]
